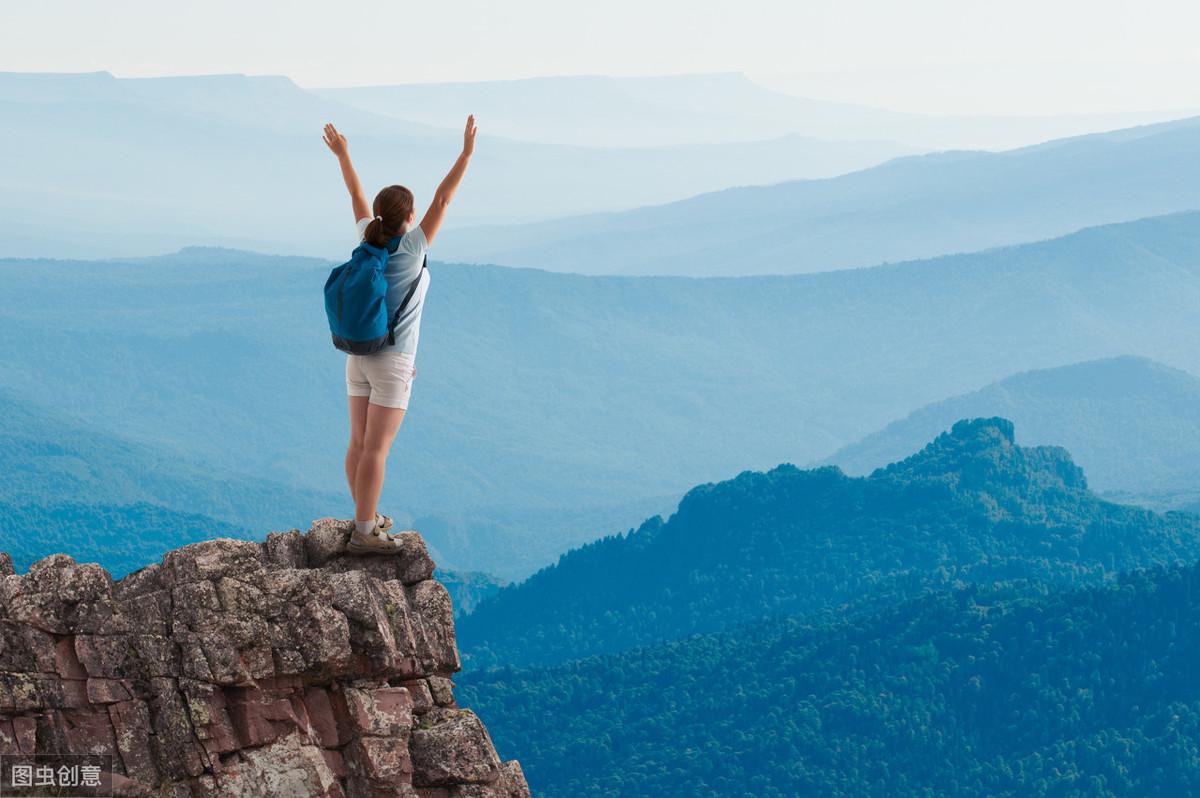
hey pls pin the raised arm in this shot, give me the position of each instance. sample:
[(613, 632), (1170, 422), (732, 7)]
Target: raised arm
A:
[(336, 143), (445, 191)]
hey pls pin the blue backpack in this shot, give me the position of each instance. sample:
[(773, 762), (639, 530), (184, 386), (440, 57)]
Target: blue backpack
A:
[(356, 300)]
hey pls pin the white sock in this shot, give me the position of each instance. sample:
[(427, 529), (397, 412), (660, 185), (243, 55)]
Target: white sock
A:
[(364, 527)]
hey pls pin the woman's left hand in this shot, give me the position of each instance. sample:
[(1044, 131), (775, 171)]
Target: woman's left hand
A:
[(336, 142)]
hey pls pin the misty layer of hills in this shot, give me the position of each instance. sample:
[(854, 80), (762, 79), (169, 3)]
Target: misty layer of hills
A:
[(1132, 424), (599, 111), (550, 409), (96, 166), (914, 207)]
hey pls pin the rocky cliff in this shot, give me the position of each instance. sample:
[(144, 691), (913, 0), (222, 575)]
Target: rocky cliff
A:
[(234, 668)]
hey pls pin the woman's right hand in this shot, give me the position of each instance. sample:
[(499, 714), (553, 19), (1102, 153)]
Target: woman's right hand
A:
[(445, 190), (469, 136)]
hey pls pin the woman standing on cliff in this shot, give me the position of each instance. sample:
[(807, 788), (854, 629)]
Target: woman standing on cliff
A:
[(379, 384)]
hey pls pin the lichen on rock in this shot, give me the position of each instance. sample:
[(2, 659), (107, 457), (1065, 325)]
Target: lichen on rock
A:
[(234, 668)]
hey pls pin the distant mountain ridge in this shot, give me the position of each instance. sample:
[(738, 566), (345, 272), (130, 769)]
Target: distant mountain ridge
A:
[(969, 508), (594, 385), (257, 176), (595, 110), (1133, 424), (908, 208)]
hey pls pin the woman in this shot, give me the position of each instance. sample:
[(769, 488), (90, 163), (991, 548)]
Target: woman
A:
[(379, 384)]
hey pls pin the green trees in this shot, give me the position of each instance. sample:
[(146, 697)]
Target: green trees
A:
[(122, 537), (971, 508), (963, 622), (970, 691)]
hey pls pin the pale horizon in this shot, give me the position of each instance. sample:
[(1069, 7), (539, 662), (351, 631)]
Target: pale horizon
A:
[(934, 56), (959, 98)]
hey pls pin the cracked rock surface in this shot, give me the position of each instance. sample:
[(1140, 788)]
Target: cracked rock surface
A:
[(233, 668)]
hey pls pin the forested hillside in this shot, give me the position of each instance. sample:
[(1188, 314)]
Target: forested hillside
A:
[(48, 457), (125, 537), (967, 692), (69, 488), (972, 507)]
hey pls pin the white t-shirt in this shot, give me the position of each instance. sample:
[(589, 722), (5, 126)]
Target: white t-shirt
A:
[(402, 268)]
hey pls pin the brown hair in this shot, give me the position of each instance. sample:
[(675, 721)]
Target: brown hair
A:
[(394, 204)]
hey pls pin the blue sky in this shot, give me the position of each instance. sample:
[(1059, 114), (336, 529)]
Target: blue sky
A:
[(933, 55)]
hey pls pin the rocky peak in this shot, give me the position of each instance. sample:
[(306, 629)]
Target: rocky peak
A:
[(982, 454), (235, 668)]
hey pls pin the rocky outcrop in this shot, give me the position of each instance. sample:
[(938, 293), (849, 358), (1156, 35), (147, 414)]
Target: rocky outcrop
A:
[(234, 668)]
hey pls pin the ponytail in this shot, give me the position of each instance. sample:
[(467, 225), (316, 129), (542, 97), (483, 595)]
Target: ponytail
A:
[(393, 205), (373, 232)]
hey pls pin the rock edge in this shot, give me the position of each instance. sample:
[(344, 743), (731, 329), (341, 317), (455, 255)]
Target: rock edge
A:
[(244, 669)]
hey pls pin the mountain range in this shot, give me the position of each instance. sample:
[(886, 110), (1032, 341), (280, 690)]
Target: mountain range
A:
[(147, 165), (1132, 424), (970, 607), (668, 110), (972, 507), (963, 622), (553, 409), (151, 164), (913, 207)]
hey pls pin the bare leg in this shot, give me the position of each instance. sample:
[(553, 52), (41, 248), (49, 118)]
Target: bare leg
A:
[(382, 425), (358, 430)]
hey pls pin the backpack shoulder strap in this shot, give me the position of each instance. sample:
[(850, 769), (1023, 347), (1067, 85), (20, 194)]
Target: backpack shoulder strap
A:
[(412, 289), (365, 251)]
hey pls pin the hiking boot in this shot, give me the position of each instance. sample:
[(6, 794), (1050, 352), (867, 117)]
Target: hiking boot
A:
[(373, 542)]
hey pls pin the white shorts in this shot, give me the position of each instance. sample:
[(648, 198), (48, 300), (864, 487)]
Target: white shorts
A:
[(386, 377)]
